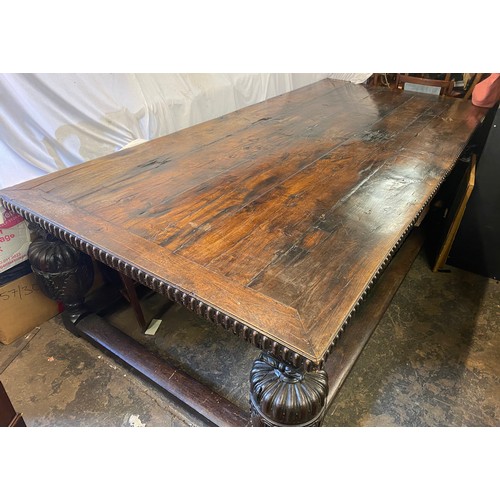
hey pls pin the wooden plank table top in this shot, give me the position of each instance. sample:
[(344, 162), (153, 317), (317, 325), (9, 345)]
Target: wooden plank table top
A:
[(272, 221)]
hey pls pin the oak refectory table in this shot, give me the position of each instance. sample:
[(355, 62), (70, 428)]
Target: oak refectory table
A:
[(286, 222)]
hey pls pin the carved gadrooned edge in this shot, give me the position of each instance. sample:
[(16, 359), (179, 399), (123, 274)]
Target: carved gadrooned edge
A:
[(63, 273), (382, 267), (284, 396), (254, 337), (259, 340)]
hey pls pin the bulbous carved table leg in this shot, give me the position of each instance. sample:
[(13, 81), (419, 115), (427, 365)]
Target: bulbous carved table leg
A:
[(63, 274), (281, 395)]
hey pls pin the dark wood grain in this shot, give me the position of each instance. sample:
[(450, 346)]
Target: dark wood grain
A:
[(278, 217)]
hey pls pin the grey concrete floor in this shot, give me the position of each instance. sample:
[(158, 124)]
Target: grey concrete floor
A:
[(433, 361)]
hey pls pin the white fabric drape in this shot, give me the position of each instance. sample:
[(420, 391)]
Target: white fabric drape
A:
[(53, 121)]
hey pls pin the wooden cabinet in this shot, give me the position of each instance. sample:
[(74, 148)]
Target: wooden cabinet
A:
[(8, 416)]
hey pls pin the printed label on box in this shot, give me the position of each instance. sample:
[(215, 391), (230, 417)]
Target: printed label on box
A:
[(14, 239)]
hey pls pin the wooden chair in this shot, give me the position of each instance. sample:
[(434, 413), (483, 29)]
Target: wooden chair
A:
[(477, 78), (426, 85)]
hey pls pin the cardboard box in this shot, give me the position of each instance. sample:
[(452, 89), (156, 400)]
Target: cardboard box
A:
[(23, 307), (14, 239)]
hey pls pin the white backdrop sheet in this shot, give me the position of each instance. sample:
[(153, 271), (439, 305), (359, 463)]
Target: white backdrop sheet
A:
[(52, 121)]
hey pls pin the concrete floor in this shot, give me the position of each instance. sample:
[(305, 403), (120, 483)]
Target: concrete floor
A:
[(434, 360)]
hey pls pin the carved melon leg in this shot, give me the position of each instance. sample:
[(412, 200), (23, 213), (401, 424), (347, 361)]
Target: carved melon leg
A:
[(63, 274), (281, 395)]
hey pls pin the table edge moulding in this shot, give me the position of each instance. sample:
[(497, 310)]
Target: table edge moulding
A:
[(291, 382)]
